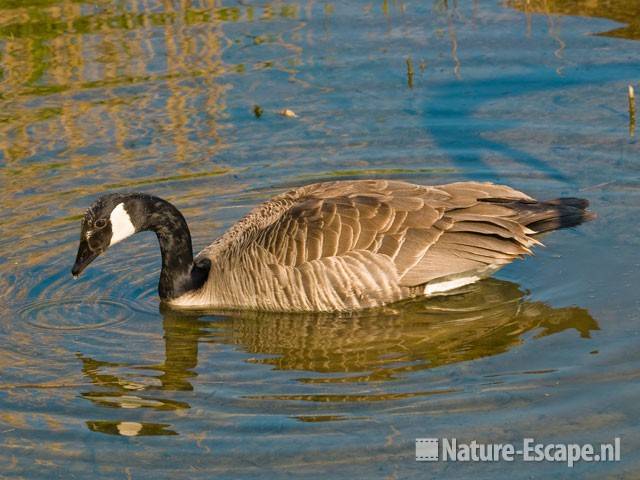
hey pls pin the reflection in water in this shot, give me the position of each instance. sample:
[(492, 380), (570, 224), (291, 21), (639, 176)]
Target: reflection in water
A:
[(174, 374), (621, 11), (485, 319), (130, 429), (90, 87), (156, 95)]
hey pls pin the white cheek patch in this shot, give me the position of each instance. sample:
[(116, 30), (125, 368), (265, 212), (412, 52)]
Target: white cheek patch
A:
[(121, 226)]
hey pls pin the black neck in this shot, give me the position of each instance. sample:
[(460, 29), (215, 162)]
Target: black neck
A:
[(178, 274)]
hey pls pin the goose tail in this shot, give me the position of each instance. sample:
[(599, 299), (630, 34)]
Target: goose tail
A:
[(555, 214), (540, 217)]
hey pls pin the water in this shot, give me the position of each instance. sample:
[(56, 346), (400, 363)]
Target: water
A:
[(97, 381)]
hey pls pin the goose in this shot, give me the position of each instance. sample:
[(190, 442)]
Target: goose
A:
[(335, 246)]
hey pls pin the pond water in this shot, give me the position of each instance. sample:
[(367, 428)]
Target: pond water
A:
[(98, 381)]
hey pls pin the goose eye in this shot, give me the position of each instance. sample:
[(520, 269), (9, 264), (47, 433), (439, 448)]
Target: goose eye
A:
[(101, 223)]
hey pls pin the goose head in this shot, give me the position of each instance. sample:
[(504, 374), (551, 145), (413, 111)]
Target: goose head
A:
[(114, 217), (108, 221)]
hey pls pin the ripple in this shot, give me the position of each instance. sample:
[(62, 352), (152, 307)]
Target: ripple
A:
[(76, 314)]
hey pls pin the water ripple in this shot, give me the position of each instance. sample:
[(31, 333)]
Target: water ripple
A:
[(76, 314)]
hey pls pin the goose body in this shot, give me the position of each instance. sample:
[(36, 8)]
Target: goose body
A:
[(336, 246)]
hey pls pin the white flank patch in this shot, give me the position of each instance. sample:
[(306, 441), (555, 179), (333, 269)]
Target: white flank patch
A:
[(121, 226), (439, 287)]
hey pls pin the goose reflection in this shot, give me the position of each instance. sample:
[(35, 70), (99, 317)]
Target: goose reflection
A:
[(130, 386), (181, 335), (485, 319)]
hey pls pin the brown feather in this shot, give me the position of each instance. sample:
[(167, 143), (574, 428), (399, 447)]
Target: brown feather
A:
[(355, 244)]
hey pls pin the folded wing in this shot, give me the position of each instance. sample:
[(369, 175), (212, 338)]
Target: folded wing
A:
[(419, 234)]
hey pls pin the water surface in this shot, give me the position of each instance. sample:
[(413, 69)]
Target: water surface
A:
[(98, 381)]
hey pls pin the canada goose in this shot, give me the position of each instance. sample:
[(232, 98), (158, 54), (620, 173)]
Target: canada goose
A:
[(335, 246)]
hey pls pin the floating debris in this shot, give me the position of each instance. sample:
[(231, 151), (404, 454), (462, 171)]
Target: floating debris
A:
[(632, 111), (409, 72), (288, 113), (257, 111)]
